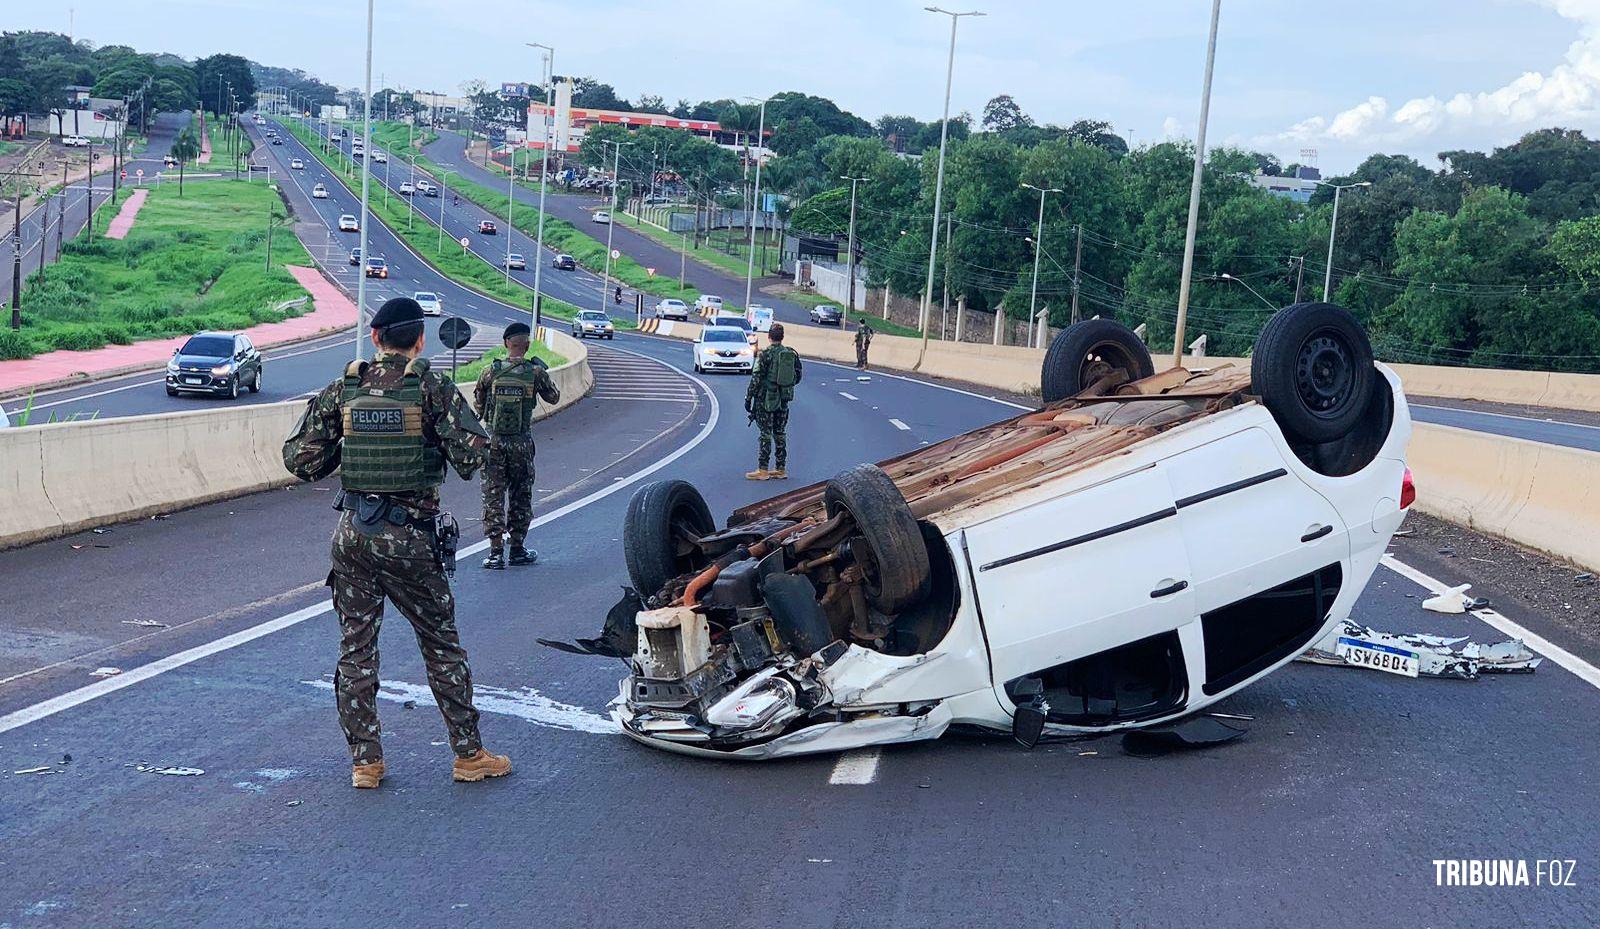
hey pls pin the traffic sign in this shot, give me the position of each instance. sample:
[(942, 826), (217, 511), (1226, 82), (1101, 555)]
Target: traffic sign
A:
[(650, 271), (615, 254), (138, 172), (455, 332), (465, 241)]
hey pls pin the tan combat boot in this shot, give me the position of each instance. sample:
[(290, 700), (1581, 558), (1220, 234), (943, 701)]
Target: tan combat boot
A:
[(759, 474), (479, 765), (366, 776), (781, 474)]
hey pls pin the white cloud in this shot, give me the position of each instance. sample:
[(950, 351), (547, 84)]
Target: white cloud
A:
[(1172, 128), (1567, 93)]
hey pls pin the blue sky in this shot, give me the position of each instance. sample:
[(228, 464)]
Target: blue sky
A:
[(1346, 78)]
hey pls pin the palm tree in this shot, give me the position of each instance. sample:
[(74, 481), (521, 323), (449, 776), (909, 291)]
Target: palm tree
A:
[(185, 148)]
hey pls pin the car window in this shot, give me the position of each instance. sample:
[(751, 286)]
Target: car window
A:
[(214, 346), (244, 343), (723, 335), (739, 321), (594, 315), (425, 296)]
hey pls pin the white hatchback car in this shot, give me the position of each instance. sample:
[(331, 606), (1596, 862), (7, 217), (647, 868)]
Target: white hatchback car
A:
[(429, 301), (297, 164), (406, 189), (319, 192), (601, 216), (348, 223), (723, 348), (669, 308), (1144, 546)]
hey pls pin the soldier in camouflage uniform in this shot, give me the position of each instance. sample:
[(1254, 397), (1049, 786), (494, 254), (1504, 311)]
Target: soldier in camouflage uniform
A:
[(767, 400), (390, 427), (863, 342), (504, 396)]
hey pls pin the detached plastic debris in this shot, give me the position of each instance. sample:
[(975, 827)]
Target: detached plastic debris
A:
[(43, 769), (174, 770), (1419, 655), (144, 622), (105, 672), (1184, 735), (1454, 600)]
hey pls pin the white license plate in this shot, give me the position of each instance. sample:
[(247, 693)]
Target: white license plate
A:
[(192, 380), (1378, 657)]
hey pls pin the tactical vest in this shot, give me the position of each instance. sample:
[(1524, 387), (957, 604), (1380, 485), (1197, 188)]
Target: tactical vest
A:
[(385, 451), (513, 394), (778, 377)]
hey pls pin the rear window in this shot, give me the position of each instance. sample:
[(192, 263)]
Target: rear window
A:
[(724, 335), (425, 296), (209, 345)]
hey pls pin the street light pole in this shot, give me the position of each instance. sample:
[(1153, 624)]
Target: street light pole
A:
[(444, 183), (850, 294), (544, 175), (366, 180), (1228, 277), (611, 223), (1038, 252), (938, 184), (755, 204), (1194, 190), (1327, 277)]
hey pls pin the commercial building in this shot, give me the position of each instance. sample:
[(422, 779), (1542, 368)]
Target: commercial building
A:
[(1298, 188), (86, 116), (568, 124)]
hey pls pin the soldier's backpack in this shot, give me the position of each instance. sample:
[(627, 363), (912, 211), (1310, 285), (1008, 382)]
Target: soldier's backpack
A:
[(512, 397), (783, 371)]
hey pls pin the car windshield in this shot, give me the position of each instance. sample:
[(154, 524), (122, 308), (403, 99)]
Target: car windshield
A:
[(593, 316), (723, 335), (828, 309), (739, 321), (515, 257), (209, 346), (425, 298), (375, 262)]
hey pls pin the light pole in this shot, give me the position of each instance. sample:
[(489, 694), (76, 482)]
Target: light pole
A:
[(611, 222), (755, 204), (1228, 277), (1194, 191), (444, 183), (850, 294), (938, 184), (544, 173), (366, 180), (1327, 277), (1038, 252), (274, 189)]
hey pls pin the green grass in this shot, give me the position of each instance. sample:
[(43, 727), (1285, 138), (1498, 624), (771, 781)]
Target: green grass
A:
[(467, 374), (732, 259), (190, 263), (392, 136), (451, 260)]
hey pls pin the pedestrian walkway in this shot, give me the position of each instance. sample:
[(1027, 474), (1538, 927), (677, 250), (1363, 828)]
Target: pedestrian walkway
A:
[(333, 310), (626, 377), (123, 221)]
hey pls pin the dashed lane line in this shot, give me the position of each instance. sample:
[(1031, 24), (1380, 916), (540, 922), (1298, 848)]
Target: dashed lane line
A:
[(900, 425), (848, 396)]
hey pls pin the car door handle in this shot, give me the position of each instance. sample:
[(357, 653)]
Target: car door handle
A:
[(1316, 533), (1168, 590)]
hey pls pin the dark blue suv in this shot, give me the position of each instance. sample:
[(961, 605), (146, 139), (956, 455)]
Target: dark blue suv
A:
[(218, 363)]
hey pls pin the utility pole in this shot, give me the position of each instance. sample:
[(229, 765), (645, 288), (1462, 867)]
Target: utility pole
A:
[(616, 163), (1038, 252), (1299, 274), (16, 257), (755, 203), (1187, 275), (944, 313), (1077, 269), (544, 174), (366, 180), (850, 295)]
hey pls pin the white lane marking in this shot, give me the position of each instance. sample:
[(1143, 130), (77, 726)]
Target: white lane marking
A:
[(915, 380), (1529, 419), (900, 425), (1585, 671), (848, 396), (524, 703), (857, 767), (144, 672)]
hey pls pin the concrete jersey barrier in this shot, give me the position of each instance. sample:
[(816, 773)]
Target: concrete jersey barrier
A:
[(63, 478)]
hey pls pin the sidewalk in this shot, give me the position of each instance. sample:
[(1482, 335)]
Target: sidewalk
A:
[(123, 221), (333, 310)]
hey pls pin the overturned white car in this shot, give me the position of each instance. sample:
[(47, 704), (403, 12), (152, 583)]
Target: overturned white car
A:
[(1142, 547)]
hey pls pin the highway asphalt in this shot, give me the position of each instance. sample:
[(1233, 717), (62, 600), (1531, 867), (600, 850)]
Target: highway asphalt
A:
[(1330, 812)]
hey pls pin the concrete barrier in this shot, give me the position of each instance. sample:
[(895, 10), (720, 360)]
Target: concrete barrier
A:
[(1543, 496), (63, 478)]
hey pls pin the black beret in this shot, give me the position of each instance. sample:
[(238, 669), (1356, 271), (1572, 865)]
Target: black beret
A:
[(397, 311), (514, 330)]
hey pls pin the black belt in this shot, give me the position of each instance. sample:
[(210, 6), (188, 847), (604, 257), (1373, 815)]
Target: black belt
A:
[(371, 509)]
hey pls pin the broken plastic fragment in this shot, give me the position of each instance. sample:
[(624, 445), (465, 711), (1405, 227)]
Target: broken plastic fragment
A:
[(1426, 655), (46, 769), (1197, 732), (175, 770), (106, 672), (1453, 600)]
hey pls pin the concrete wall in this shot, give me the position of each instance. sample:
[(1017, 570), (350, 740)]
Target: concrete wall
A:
[(1543, 496), (66, 477)]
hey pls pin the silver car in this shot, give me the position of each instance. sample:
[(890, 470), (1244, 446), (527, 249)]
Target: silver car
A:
[(593, 323)]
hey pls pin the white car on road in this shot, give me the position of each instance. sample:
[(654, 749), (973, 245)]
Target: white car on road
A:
[(708, 305), (593, 323), (406, 189), (348, 223), (319, 192), (297, 164), (74, 141), (379, 157), (1144, 546), (601, 216), (669, 308), (723, 348), (429, 301)]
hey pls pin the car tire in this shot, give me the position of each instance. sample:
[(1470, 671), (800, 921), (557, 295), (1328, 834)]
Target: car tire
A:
[(255, 382), (171, 392), (890, 548), (233, 389), (659, 515), (1088, 350), (611, 337), (1312, 368)]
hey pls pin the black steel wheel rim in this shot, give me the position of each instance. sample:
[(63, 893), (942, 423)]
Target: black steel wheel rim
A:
[(1324, 373), (1102, 359)]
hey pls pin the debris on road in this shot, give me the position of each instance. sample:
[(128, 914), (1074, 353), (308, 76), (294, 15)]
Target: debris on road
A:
[(1453, 600), (144, 622), (1419, 655), (43, 769), (105, 672), (1195, 732), (174, 770), (100, 531)]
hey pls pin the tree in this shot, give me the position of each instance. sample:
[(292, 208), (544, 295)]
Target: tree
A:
[(1002, 113), (793, 135), (216, 73), (1097, 132), (13, 100), (591, 94), (652, 103), (185, 148), (824, 113)]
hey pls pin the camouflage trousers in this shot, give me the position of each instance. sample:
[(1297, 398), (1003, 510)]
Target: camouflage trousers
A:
[(774, 427), (397, 562), (508, 491), (861, 356)]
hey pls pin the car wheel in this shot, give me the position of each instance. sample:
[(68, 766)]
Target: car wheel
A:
[(1312, 369), (889, 546), (233, 389), (611, 337), (255, 382), (1086, 351), (664, 520), (171, 392)]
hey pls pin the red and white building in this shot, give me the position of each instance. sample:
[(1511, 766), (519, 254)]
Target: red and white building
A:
[(568, 124)]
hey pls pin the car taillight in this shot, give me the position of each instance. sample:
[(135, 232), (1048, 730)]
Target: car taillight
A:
[(1408, 490)]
